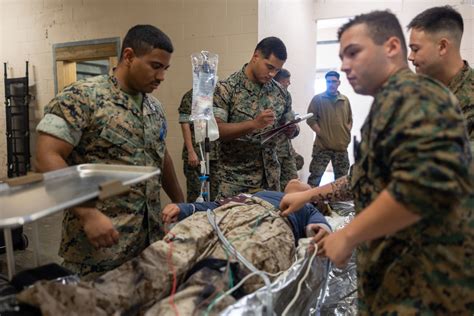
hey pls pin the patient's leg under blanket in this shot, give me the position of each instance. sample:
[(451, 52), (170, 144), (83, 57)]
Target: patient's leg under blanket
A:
[(196, 294), (264, 238)]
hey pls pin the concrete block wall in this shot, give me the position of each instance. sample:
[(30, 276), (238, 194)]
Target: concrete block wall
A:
[(29, 28)]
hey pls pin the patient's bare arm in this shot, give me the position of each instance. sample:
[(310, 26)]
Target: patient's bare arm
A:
[(339, 190)]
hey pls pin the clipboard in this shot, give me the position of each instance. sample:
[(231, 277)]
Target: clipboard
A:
[(280, 129)]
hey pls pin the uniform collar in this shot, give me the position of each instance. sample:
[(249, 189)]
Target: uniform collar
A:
[(460, 77), (250, 85), (119, 96)]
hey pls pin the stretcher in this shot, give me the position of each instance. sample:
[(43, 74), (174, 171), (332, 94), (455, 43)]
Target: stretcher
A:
[(311, 286)]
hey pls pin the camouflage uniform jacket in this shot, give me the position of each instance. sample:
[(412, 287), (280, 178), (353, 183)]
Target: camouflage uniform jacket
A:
[(245, 161), (414, 145), (283, 142), (105, 126), (462, 85), (184, 117)]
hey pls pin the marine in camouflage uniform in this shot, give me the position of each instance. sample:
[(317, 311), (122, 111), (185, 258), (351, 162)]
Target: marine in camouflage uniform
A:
[(192, 173), (106, 125), (287, 160), (430, 30), (462, 85), (143, 283), (245, 165), (415, 146), (287, 155), (334, 117)]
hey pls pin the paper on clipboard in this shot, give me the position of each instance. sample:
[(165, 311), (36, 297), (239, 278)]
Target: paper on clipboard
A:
[(280, 129)]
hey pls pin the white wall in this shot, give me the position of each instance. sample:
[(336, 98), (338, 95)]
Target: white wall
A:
[(405, 10), (294, 21)]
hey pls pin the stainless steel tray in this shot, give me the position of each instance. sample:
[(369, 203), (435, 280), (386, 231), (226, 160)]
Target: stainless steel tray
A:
[(61, 189)]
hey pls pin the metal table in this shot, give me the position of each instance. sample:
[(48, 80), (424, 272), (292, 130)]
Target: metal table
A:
[(27, 199)]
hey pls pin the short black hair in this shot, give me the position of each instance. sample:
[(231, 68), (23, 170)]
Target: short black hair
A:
[(439, 19), (272, 45), (332, 73), (282, 74), (381, 26), (144, 38)]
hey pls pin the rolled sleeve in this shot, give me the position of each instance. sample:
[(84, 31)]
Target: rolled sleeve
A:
[(221, 114), (221, 102), (56, 126), (68, 114), (184, 118)]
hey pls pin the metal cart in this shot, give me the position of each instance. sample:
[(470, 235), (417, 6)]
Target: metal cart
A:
[(29, 198)]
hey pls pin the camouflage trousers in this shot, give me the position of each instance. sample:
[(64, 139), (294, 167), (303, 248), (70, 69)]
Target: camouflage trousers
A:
[(299, 161), (193, 185), (143, 284), (321, 158), (86, 271), (288, 170)]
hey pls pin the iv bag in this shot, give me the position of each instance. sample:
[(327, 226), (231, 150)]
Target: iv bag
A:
[(204, 82)]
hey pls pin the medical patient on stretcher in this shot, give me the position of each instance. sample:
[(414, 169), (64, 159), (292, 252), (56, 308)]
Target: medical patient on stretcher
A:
[(189, 269)]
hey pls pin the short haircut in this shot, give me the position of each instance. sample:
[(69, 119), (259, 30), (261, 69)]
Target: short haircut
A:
[(144, 38), (332, 74), (272, 45), (439, 19), (282, 74), (381, 26)]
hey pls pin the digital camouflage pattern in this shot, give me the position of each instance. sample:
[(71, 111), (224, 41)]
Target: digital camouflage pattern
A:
[(462, 85), (244, 163), (288, 170), (193, 185), (286, 157), (108, 128), (320, 160), (142, 284), (299, 159), (414, 144)]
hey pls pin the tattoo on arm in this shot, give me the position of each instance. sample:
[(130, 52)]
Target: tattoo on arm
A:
[(339, 191)]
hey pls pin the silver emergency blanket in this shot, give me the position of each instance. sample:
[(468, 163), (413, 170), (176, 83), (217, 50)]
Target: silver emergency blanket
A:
[(327, 290), (284, 288), (341, 294)]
